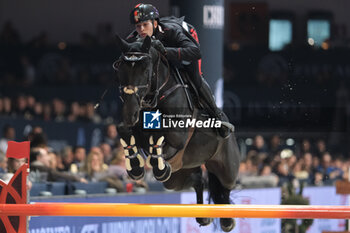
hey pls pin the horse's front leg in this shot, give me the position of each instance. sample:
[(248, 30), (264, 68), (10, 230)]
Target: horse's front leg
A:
[(134, 161), (155, 160)]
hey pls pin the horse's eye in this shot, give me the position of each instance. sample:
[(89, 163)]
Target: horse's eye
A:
[(146, 72)]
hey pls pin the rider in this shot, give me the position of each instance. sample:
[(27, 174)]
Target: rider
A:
[(178, 48)]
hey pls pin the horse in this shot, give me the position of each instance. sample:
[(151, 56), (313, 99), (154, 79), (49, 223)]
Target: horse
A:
[(147, 84)]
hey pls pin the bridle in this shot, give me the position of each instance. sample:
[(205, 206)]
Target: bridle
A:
[(135, 57)]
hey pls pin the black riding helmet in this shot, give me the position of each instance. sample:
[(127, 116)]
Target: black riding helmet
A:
[(143, 12)]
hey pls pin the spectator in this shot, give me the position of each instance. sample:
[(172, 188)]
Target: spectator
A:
[(275, 145), (306, 146), (9, 134), (327, 170), (107, 153), (95, 172), (59, 110), (283, 172), (315, 164), (38, 111), (307, 162), (117, 166), (320, 147), (21, 106), (340, 168), (3, 164), (97, 150), (259, 144), (41, 170), (74, 111), (300, 172), (13, 165), (249, 176), (79, 156), (53, 160), (67, 157), (83, 113), (111, 136), (7, 111), (37, 138), (30, 106)]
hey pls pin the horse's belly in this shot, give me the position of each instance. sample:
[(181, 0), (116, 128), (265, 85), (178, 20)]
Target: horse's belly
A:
[(198, 152)]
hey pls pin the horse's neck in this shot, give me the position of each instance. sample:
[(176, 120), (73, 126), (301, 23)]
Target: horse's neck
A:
[(176, 100)]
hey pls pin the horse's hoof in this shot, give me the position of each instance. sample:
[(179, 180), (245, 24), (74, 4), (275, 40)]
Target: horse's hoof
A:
[(204, 221), (227, 224), (164, 174), (137, 173), (135, 166)]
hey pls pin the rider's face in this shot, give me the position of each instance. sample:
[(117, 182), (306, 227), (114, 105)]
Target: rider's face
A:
[(145, 28)]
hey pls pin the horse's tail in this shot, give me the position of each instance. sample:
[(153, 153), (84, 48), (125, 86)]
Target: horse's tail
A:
[(217, 192)]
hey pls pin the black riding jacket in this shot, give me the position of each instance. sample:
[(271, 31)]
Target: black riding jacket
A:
[(181, 51), (179, 47)]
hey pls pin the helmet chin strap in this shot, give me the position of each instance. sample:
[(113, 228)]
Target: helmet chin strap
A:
[(154, 28)]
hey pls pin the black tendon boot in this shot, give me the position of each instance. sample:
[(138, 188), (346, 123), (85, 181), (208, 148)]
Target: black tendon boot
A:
[(207, 96)]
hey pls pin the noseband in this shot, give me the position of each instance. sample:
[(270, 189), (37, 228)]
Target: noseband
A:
[(133, 58)]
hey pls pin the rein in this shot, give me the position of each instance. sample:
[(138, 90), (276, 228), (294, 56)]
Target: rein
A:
[(134, 57)]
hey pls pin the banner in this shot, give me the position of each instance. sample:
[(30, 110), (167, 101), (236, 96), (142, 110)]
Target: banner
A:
[(248, 225), (48, 224), (325, 196)]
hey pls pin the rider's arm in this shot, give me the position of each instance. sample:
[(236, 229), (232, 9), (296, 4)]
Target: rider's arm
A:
[(185, 50)]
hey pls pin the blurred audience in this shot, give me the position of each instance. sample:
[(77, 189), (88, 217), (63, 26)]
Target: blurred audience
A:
[(111, 135), (42, 169), (8, 134), (79, 156), (57, 110), (95, 171)]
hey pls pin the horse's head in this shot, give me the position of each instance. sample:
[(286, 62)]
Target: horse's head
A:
[(135, 72)]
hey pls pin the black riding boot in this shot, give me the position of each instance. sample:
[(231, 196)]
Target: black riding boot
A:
[(207, 96)]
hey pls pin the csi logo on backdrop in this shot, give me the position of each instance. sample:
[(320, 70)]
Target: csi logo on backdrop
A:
[(151, 120), (213, 16)]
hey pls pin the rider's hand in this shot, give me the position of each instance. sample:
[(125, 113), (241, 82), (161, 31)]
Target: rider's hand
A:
[(159, 46)]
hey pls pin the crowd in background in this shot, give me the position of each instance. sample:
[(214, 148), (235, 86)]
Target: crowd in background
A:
[(308, 162), (266, 164), (41, 62), (103, 163), (56, 110)]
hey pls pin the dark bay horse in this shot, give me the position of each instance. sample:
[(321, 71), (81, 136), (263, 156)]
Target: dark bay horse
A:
[(147, 83)]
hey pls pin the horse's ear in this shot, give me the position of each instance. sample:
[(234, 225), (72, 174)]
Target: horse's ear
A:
[(122, 44), (146, 44)]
